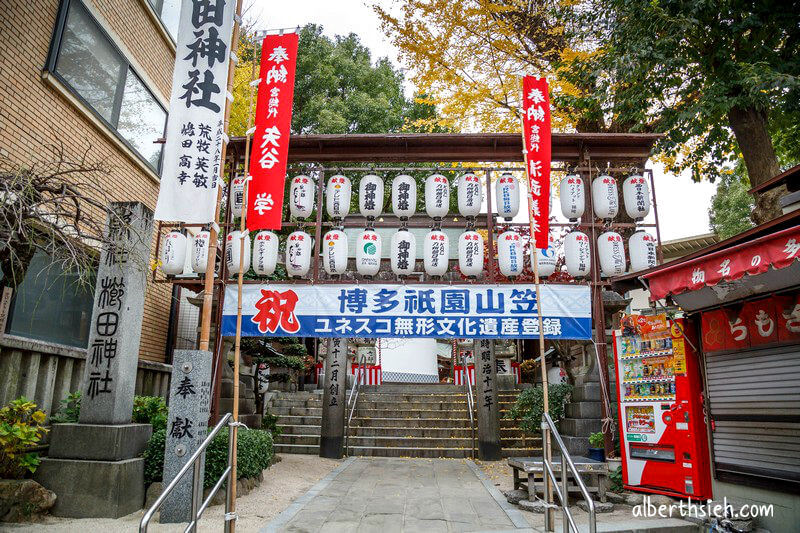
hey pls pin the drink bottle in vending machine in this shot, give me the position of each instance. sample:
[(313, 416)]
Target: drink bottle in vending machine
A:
[(663, 437)]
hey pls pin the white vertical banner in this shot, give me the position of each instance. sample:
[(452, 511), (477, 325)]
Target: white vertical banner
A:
[(195, 127)]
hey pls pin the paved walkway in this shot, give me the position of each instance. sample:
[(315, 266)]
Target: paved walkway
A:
[(386, 495)]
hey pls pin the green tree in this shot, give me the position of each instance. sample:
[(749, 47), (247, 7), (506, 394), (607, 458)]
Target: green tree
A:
[(731, 205), (710, 74)]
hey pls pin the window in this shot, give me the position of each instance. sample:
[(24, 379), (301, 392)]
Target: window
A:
[(51, 305), (92, 67), (169, 11)]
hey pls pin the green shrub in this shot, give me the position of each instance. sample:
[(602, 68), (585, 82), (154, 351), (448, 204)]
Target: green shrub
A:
[(21, 428), (146, 410), (270, 423), (616, 479), (70, 409), (596, 440), (150, 410), (529, 406), (154, 456), (254, 454)]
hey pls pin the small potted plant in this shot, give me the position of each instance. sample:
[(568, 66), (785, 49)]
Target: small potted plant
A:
[(596, 448)]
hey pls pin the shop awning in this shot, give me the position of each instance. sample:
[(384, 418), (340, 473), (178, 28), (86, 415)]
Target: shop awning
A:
[(770, 252)]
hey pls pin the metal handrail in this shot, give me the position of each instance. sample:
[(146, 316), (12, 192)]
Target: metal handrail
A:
[(563, 494), (361, 368), (197, 482), (470, 402)]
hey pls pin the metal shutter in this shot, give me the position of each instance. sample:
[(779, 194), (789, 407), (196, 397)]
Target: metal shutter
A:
[(754, 397)]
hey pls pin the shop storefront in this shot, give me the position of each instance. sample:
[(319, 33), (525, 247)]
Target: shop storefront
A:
[(743, 297)]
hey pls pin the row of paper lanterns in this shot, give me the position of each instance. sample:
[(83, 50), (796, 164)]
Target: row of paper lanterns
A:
[(402, 256), (605, 197)]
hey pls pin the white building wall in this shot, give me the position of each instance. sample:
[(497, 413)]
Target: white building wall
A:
[(409, 361)]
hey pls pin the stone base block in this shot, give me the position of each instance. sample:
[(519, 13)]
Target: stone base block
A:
[(97, 442), (93, 489), (506, 381)]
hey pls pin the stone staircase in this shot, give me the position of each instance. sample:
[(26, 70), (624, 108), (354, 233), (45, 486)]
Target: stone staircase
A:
[(583, 415), (396, 420)]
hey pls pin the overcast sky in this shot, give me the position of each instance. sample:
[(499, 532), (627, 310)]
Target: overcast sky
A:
[(682, 204)]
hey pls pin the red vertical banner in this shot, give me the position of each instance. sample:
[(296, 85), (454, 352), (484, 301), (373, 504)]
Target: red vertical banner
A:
[(536, 144), (270, 149)]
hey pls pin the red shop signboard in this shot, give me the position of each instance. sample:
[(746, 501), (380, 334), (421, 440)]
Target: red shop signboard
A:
[(766, 321)]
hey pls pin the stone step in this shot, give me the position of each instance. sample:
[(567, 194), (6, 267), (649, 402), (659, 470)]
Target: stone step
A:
[(299, 420), (412, 413), (295, 402), (522, 452), (413, 388), (576, 445), (438, 432), (380, 451), (584, 410), (296, 411), (587, 392), (395, 422), (297, 448), (580, 427), (305, 440), (299, 429)]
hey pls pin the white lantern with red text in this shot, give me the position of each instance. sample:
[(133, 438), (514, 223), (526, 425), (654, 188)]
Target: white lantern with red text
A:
[(636, 193), (604, 197), (547, 258), (403, 253), (233, 253), (301, 197), (337, 196), (334, 252), (237, 195), (611, 251), (265, 253), (173, 253), (437, 196), (404, 196), (510, 258), (642, 247), (370, 196), (470, 253), (577, 254), (572, 198), (298, 253), (470, 195), (200, 251), (436, 252), (507, 196), (368, 253)]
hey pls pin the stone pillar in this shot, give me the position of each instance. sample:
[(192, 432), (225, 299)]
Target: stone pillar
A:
[(94, 466), (331, 444), (187, 425), (489, 447)]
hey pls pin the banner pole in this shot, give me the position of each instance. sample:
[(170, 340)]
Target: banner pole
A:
[(208, 285), (546, 449)]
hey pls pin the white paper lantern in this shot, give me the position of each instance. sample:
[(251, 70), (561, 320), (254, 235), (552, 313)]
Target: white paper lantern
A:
[(404, 196), (436, 251), (470, 195), (334, 252), (337, 196), (642, 247), (437, 196), (265, 253), (604, 197), (572, 198), (301, 196), (611, 251), (173, 253), (237, 195), (636, 193), (298, 253), (577, 254), (233, 253), (370, 196), (403, 254), (510, 258), (547, 258), (368, 253), (507, 196), (470, 253), (200, 251)]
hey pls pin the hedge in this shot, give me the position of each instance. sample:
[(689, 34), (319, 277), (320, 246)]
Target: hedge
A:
[(254, 453)]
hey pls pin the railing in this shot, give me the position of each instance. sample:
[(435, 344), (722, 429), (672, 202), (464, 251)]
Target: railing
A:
[(470, 402), (195, 463), (563, 493), (361, 369)]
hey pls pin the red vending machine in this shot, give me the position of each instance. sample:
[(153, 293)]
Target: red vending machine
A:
[(663, 436)]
